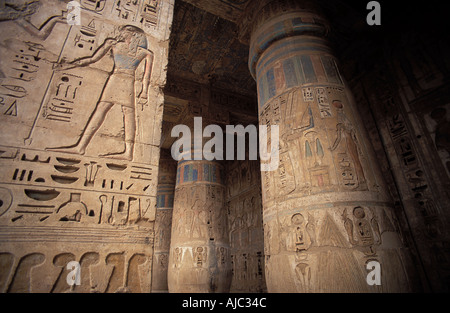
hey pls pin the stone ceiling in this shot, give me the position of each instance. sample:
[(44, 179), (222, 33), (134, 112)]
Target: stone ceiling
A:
[(204, 45), (204, 48)]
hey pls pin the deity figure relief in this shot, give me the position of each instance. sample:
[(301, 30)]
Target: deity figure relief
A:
[(177, 257), (346, 137), (199, 219), (128, 49)]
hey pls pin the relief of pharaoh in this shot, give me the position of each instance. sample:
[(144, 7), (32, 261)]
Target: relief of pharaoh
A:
[(128, 49)]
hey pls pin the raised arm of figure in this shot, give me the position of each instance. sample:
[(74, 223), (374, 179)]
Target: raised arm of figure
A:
[(98, 54)]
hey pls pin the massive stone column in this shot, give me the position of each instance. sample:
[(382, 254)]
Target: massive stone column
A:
[(199, 250), (163, 221), (327, 213)]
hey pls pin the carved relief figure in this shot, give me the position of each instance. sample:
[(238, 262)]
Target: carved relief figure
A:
[(346, 137), (198, 224), (177, 257), (128, 50)]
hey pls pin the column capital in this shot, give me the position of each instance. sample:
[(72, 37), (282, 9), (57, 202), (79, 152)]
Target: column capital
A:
[(267, 21), (258, 12)]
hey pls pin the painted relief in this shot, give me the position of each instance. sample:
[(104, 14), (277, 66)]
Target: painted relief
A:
[(128, 49), (77, 158), (349, 152), (310, 236), (199, 254)]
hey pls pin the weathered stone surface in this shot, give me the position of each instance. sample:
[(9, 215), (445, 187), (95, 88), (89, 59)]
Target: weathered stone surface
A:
[(86, 175), (200, 249), (327, 212), (163, 221), (410, 114), (243, 197), (80, 143)]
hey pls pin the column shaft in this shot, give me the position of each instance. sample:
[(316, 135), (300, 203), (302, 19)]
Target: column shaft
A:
[(163, 221), (200, 251), (327, 213)]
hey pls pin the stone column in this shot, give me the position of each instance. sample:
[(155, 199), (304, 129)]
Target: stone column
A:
[(199, 251), (327, 213), (163, 222)]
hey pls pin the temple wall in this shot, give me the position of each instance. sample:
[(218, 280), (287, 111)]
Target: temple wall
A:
[(405, 104), (86, 173), (80, 123)]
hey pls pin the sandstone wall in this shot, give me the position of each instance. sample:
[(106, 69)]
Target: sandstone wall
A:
[(81, 111)]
